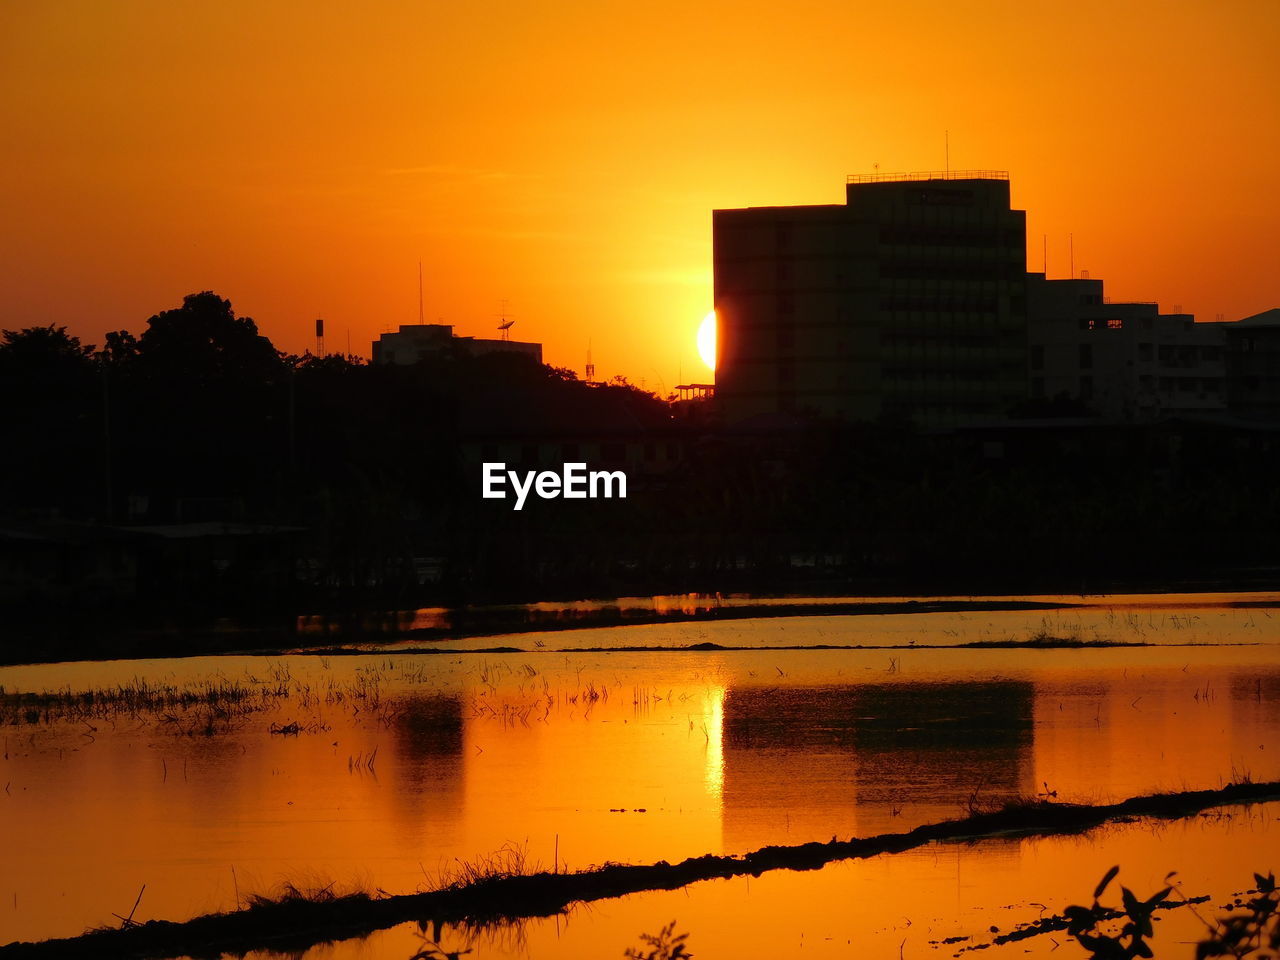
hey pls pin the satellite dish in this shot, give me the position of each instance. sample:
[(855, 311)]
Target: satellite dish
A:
[(505, 324)]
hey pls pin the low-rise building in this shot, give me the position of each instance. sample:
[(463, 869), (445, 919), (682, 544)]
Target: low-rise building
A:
[(419, 341), (1126, 361), (1253, 366)]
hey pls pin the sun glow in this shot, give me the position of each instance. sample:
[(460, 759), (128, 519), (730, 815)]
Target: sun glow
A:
[(707, 340)]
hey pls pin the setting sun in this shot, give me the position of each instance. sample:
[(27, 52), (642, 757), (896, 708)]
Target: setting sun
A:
[(707, 340)]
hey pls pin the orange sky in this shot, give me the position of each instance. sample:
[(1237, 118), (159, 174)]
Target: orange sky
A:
[(565, 156)]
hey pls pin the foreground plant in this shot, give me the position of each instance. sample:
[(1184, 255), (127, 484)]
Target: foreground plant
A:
[(1253, 932), (667, 945), (1085, 923)]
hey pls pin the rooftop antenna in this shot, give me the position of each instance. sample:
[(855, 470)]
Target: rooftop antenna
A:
[(591, 367), (1071, 241), (503, 323), (420, 293), (1046, 256), (946, 140), (319, 336)]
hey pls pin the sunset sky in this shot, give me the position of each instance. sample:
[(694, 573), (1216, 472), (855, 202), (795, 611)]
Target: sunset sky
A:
[(301, 158)]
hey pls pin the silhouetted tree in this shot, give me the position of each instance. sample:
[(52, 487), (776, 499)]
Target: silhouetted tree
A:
[(120, 350), (51, 437), (43, 351), (204, 340)]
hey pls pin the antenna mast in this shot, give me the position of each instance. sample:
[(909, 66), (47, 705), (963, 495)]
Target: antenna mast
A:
[(420, 293), (503, 323)]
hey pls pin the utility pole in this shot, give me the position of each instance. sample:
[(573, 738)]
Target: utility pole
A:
[(106, 441)]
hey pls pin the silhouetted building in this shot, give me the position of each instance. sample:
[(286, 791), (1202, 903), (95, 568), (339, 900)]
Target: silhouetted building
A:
[(418, 341), (908, 300), (1253, 366), (1126, 361)]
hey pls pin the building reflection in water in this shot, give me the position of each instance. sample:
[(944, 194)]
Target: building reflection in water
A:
[(804, 763), (426, 737)]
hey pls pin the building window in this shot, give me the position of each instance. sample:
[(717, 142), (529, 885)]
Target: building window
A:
[(1146, 351), (1086, 388), (1037, 388), (1115, 323), (1086, 356)]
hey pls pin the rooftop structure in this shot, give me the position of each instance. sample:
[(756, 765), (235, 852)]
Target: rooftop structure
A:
[(419, 341)]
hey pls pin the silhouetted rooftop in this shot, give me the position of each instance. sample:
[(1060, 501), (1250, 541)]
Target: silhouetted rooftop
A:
[(928, 175), (1268, 318)]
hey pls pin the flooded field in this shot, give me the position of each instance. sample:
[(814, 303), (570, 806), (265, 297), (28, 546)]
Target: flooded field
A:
[(944, 901), (211, 779)]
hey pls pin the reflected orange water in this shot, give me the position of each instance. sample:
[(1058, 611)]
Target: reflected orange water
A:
[(1132, 618), (635, 756), (913, 902)]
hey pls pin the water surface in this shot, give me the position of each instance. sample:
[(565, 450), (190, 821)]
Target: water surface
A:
[(404, 766)]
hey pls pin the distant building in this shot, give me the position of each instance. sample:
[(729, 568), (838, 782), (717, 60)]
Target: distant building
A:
[(1253, 366), (908, 300), (1126, 361), (418, 341)]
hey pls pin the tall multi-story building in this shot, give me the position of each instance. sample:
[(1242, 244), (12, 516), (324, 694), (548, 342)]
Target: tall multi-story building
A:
[(418, 341), (908, 301), (1125, 361)]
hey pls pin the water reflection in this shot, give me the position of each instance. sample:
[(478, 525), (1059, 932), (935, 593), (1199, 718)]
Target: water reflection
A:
[(942, 901), (855, 758), (406, 765), (427, 739)]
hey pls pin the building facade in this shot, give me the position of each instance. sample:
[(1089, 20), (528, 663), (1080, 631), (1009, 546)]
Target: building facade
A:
[(419, 341), (907, 301), (1124, 361), (1253, 366)]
